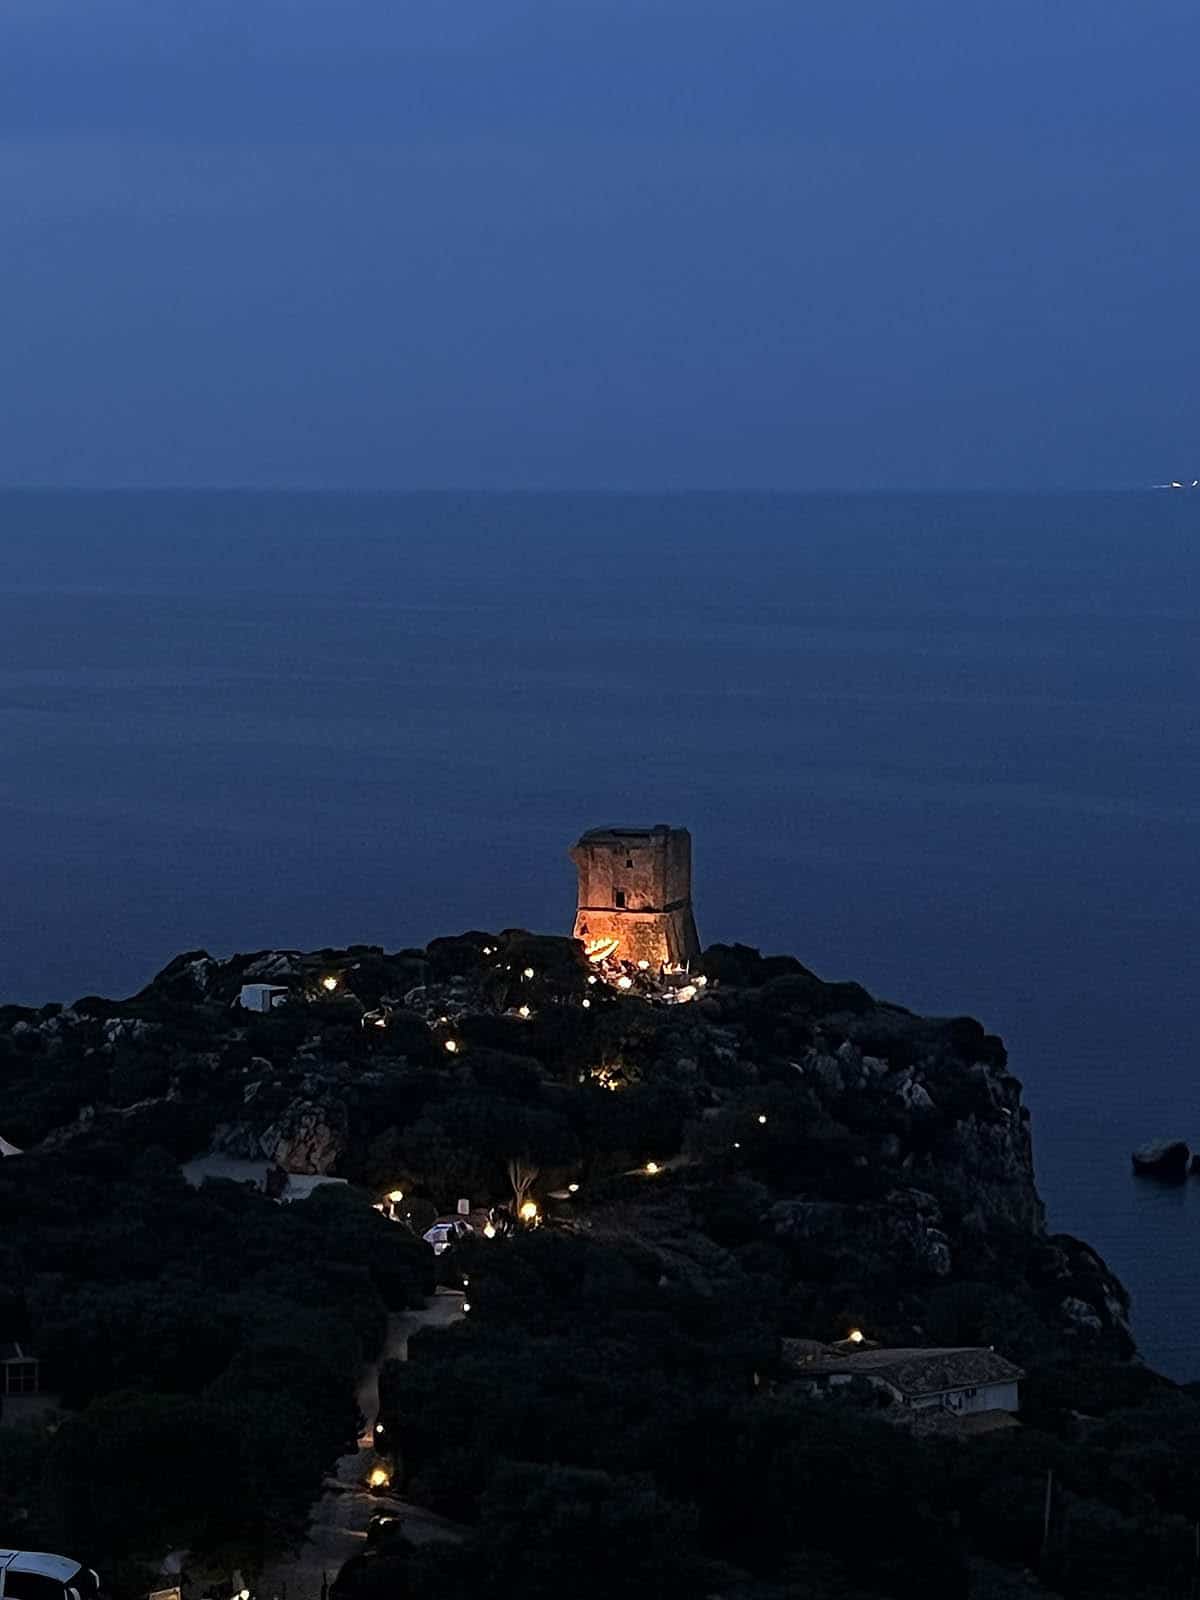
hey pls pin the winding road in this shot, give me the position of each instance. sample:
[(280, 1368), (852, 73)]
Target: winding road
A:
[(338, 1525)]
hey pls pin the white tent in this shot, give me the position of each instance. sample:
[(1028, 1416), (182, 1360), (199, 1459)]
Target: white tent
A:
[(7, 1149)]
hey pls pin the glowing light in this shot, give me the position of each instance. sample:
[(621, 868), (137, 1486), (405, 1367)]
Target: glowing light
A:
[(524, 1011), (466, 1305), (528, 973), (593, 978), (381, 1022), (736, 1145), (329, 984), (652, 1168), (489, 1230), (762, 1119), (379, 1478), (379, 1427), (529, 1211), (601, 949), (855, 1336), (624, 982), (701, 981), (573, 1188), (395, 1196), (487, 950), (587, 1005), (643, 966), (452, 1046)]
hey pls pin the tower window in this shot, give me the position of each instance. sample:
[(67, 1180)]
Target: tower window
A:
[(619, 899), (628, 861)]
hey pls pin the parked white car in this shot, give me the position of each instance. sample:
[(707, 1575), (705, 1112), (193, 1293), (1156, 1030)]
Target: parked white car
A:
[(34, 1575), (443, 1234)]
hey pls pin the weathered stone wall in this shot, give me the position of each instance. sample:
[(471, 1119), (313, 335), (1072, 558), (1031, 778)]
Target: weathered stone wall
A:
[(635, 885), (678, 866), (659, 937)]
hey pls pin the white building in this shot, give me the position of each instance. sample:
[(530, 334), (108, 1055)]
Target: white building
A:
[(960, 1379), (262, 996)]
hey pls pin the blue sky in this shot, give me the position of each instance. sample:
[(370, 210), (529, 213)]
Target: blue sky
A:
[(599, 244)]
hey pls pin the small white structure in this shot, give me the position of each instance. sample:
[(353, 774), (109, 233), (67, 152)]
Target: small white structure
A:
[(19, 1370), (7, 1149), (961, 1379), (262, 996)]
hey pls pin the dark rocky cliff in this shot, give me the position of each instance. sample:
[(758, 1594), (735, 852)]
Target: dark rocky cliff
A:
[(879, 1152)]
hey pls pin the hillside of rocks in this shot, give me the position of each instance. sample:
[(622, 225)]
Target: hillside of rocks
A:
[(874, 1154)]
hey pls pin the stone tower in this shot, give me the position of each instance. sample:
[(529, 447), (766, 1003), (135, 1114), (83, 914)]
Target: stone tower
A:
[(635, 886)]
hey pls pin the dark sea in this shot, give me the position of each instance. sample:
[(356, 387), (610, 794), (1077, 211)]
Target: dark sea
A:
[(947, 746)]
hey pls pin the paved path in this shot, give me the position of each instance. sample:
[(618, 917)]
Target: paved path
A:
[(337, 1529)]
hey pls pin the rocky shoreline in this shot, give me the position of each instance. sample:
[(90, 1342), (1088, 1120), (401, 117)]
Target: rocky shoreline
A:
[(925, 1155), (675, 1179)]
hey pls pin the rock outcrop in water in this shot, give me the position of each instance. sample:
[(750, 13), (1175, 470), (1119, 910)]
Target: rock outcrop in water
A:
[(1162, 1158)]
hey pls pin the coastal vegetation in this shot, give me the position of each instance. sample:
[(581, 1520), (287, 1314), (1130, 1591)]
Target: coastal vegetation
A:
[(778, 1159)]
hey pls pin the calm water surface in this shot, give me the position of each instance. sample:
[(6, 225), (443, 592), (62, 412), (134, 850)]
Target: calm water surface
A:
[(946, 746)]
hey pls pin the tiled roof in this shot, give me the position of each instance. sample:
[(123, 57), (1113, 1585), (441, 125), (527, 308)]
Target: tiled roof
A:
[(913, 1373)]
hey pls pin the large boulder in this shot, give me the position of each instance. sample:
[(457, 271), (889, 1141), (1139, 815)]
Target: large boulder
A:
[(188, 980), (309, 1137), (1162, 1158), (1077, 1291), (905, 1230)]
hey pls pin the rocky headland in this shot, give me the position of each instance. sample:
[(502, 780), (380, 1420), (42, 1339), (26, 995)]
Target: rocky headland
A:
[(892, 1137), (765, 1155)]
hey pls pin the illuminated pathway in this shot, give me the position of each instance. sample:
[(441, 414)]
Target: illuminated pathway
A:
[(338, 1527)]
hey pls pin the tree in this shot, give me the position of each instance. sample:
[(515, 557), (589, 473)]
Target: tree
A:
[(522, 1174), (550, 1530)]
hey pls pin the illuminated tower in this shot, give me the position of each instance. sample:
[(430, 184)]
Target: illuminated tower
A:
[(635, 886)]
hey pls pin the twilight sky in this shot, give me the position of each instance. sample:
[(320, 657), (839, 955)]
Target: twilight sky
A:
[(599, 243)]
